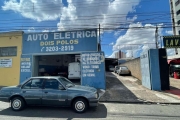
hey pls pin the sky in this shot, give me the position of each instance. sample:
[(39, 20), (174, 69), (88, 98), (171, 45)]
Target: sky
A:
[(126, 25)]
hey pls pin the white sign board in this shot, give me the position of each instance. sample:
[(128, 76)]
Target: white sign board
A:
[(5, 63)]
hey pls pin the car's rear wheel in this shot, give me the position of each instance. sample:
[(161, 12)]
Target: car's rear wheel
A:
[(17, 104), (80, 105)]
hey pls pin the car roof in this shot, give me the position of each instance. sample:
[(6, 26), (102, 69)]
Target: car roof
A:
[(48, 77)]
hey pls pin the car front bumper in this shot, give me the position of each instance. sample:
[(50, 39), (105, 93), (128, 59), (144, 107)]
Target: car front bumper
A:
[(3, 96), (93, 102), (4, 99), (124, 72)]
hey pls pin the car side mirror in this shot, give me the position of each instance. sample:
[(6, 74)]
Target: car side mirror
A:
[(61, 87)]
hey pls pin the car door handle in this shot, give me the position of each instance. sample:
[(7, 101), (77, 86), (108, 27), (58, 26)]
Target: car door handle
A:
[(24, 91), (46, 92)]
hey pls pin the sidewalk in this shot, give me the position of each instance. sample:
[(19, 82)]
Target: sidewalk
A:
[(174, 87), (127, 89)]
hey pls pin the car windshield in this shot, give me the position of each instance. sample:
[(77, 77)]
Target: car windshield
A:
[(22, 83), (124, 68), (66, 82)]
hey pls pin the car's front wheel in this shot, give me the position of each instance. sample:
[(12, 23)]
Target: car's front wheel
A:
[(119, 73), (17, 104), (80, 105)]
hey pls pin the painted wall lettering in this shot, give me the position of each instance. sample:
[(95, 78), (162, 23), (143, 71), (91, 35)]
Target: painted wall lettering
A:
[(70, 41), (92, 69)]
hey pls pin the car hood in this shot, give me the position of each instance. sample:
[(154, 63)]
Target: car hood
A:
[(83, 88)]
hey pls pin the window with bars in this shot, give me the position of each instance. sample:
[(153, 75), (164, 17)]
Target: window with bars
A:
[(177, 2), (178, 12), (178, 22), (8, 51)]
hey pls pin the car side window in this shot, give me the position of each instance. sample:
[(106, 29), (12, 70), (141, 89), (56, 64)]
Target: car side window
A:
[(51, 84), (34, 84)]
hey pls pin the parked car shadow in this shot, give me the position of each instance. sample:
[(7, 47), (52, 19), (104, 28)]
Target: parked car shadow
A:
[(174, 84), (116, 91), (56, 112), (174, 88)]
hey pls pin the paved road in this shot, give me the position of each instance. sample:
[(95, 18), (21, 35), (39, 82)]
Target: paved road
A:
[(127, 89), (108, 111)]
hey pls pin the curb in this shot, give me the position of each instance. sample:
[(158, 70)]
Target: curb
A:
[(123, 102)]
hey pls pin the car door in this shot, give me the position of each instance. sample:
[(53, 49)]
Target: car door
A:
[(52, 94), (32, 91)]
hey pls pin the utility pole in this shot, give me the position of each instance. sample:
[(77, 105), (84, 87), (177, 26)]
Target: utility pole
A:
[(131, 52), (156, 37), (99, 38), (33, 7), (99, 33)]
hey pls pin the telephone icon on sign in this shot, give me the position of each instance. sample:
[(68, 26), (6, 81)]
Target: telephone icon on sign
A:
[(42, 49)]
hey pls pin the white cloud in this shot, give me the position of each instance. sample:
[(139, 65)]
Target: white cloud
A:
[(104, 13), (129, 53), (132, 19), (117, 33), (170, 32), (146, 48), (46, 30), (134, 38), (111, 43), (36, 9), (84, 14), (31, 29), (113, 55)]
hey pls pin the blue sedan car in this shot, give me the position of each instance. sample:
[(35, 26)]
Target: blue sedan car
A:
[(50, 91)]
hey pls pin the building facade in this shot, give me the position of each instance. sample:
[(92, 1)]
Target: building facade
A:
[(175, 18), (25, 55), (10, 55), (120, 55), (175, 15)]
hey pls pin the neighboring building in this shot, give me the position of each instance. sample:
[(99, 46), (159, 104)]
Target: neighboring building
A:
[(123, 60), (175, 16), (120, 54), (10, 55), (175, 13)]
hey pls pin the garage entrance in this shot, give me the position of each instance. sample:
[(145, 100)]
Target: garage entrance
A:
[(66, 65)]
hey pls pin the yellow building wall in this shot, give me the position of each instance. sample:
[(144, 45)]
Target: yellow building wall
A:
[(11, 76)]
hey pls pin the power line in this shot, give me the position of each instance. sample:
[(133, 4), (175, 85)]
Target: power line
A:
[(120, 28), (106, 24), (109, 15)]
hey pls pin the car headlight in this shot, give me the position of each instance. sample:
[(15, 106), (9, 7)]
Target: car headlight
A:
[(96, 95)]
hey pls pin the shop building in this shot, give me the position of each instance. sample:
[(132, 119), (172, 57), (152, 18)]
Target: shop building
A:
[(67, 53), (10, 55)]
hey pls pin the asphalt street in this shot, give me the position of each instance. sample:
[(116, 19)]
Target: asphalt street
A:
[(108, 111)]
